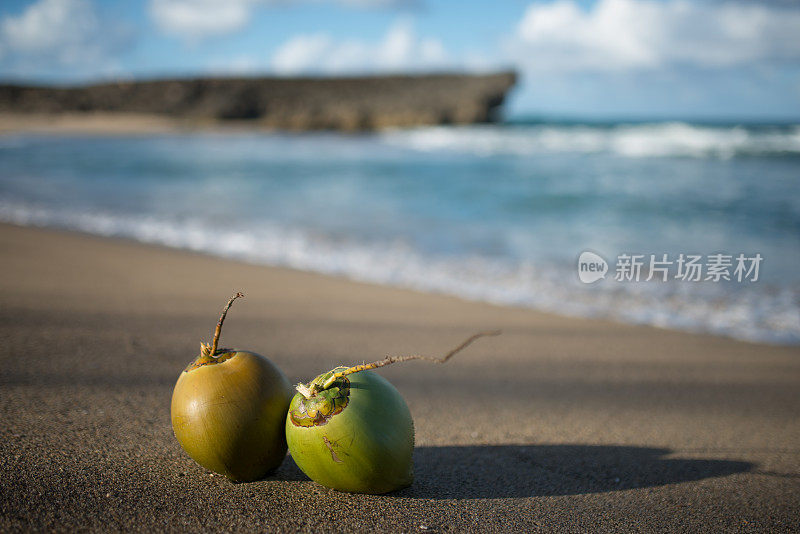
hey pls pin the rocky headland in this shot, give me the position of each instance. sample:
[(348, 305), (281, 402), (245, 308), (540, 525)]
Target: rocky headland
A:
[(349, 104)]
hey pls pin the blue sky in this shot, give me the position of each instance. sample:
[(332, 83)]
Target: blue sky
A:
[(577, 58)]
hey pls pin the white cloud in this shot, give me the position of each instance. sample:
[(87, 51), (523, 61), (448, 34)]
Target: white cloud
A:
[(46, 24), (194, 19), (53, 32), (616, 35), (197, 19), (237, 65), (369, 4), (301, 53), (399, 50)]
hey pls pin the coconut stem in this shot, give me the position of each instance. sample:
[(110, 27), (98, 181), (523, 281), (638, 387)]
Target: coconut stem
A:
[(394, 359), (218, 331)]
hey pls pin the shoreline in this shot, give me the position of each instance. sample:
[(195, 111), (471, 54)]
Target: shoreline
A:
[(559, 424), (409, 286)]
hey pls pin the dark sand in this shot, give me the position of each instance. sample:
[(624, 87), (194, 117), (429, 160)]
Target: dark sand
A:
[(559, 424)]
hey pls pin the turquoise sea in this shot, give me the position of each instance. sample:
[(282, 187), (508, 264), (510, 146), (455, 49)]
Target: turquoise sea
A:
[(497, 213)]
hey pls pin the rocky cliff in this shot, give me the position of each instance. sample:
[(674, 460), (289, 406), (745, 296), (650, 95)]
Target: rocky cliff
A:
[(353, 104)]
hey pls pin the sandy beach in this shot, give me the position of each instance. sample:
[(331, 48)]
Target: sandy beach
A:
[(560, 424), (100, 123)]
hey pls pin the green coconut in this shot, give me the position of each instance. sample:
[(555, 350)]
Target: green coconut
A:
[(228, 410), (355, 436), (350, 429)]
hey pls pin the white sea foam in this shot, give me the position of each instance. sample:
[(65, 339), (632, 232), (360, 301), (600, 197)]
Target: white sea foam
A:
[(757, 315), (634, 140)]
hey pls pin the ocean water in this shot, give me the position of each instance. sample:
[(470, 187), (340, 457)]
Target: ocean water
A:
[(498, 213)]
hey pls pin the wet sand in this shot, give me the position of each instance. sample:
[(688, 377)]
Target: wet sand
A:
[(560, 424)]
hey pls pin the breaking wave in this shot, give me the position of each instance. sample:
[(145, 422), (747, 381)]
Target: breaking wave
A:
[(674, 139), (753, 314)]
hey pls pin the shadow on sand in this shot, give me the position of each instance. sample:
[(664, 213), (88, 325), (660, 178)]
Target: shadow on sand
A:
[(495, 471)]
